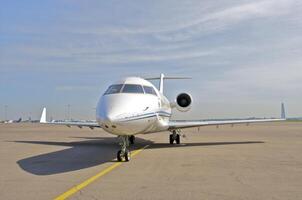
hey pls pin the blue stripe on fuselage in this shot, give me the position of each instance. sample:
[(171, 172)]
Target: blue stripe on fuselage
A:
[(147, 115)]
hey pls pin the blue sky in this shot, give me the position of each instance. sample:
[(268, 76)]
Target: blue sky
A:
[(244, 56)]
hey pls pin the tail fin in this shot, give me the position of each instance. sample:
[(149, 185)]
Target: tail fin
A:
[(161, 79), (283, 114), (43, 116)]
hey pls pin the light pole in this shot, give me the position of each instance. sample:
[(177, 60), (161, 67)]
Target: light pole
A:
[(68, 112), (5, 112)]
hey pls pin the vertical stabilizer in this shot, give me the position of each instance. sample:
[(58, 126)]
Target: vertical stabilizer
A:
[(161, 83), (283, 115), (43, 116)]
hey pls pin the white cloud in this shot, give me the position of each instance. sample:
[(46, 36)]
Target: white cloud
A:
[(223, 19), (142, 57), (196, 24)]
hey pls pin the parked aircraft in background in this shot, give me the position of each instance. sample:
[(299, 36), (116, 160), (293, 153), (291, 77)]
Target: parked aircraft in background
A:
[(134, 106), (13, 121)]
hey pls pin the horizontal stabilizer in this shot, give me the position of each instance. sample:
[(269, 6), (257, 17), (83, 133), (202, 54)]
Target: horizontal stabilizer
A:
[(161, 79), (168, 77)]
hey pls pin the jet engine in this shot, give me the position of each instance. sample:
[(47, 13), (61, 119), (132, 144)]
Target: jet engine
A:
[(184, 102)]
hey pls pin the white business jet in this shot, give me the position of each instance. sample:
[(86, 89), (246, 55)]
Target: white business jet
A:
[(134, 106)]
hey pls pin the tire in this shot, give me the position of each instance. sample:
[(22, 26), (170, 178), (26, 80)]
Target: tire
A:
[(127, 156), (171, 139), (119, 156), (178, 139), (132, 139)]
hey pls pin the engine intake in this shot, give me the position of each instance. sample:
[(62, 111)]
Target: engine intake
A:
[(183, 102)]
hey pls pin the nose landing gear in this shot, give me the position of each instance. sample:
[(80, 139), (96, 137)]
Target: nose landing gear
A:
[(175, 136), (124, 153)]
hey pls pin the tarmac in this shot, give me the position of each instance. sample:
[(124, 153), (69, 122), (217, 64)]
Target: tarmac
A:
[(259, 161)]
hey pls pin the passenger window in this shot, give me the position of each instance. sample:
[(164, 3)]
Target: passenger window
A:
[(129, 88), (113, 89), (149, 90)]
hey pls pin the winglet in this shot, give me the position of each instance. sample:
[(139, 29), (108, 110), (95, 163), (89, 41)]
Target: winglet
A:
[(283, 115), (43, 116)]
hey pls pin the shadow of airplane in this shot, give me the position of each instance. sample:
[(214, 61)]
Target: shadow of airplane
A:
[(90, 153)]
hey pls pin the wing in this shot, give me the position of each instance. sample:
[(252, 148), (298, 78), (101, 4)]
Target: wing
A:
[(189, 124), (90, 125)]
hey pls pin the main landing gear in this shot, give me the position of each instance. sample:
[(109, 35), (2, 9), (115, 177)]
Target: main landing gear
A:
[(175, 136), (131, 139)]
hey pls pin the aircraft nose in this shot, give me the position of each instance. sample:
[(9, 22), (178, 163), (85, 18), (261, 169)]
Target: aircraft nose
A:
[(109, 117), (109, 113), (112, 108), (107, 120)]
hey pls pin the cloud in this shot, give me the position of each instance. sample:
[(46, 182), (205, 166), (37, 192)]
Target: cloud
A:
[(167, 40), (193, 25), (225, 18), (142, 57)]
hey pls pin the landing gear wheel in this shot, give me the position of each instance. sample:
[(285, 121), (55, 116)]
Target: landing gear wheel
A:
[(171, 139), (175, 136), (127, 156), (178, 139), (119, 156), (124, 153), (132, 139)]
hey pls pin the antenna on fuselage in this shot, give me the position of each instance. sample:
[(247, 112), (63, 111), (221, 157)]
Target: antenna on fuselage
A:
[(162, 78)]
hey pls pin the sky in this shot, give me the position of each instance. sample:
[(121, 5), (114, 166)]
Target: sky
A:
[(244, 56)]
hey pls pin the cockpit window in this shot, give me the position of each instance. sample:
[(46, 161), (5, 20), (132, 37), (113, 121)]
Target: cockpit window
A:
[(149, 90), (113, 89), (130, 88)]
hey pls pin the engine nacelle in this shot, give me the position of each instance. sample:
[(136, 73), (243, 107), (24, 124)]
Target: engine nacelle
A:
[(183, 102)]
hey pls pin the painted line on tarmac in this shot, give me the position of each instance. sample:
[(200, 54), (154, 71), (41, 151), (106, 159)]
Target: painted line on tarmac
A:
[(87, 182)]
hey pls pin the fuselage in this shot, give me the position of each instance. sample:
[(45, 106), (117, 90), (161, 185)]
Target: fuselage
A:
[(133, 106)]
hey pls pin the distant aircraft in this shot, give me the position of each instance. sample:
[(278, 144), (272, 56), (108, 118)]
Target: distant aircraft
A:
[(134, 106), (14, 121)]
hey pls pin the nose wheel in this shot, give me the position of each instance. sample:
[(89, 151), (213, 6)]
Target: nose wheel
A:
[(175, 136), (124, 154)]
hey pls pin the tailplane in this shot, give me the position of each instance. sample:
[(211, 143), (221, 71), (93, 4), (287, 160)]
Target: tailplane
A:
[(161, 79)]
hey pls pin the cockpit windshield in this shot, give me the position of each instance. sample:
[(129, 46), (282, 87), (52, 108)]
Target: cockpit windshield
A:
[(113, 89), (149, 90), (131, 88)]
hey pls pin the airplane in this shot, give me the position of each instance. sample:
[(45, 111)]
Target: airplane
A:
[(13, 121), (133, 106)]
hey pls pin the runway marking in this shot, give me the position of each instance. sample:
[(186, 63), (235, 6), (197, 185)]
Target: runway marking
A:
[(87, 182)]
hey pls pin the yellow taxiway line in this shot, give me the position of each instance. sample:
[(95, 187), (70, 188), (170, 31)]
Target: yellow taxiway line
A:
[(87, 182)]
